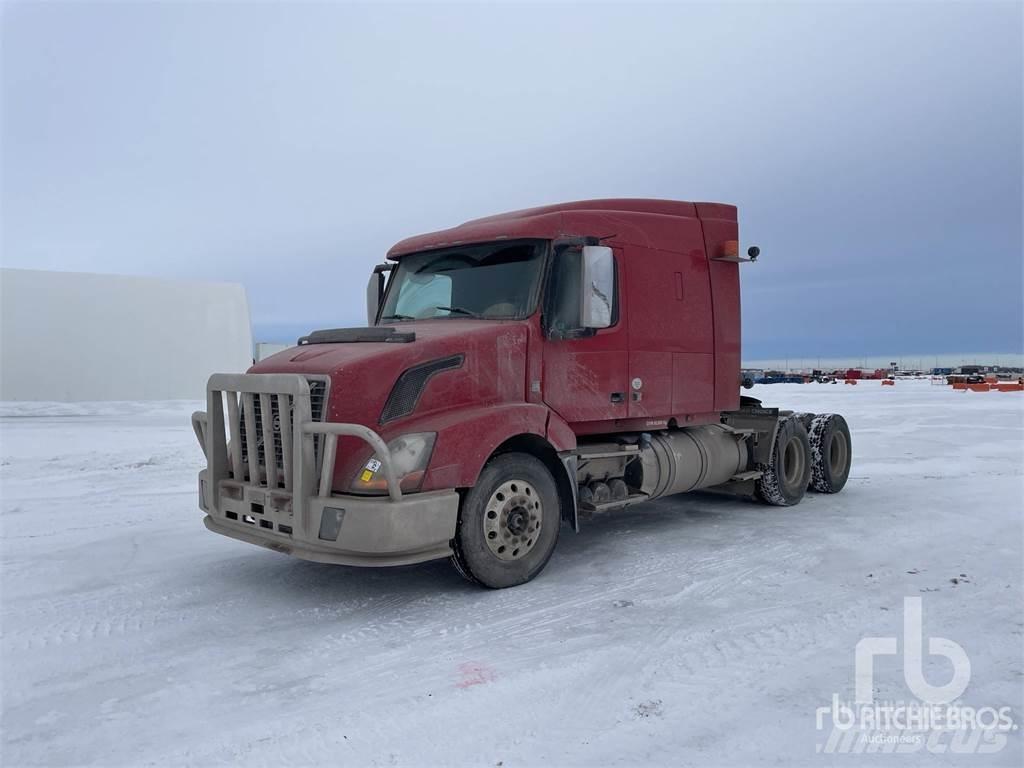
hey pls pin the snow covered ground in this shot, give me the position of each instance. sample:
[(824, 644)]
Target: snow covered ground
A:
[(697, 630)]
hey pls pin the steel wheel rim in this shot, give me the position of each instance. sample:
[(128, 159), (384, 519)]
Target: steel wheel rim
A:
[(512, 520), (792, 463), (837, 453)]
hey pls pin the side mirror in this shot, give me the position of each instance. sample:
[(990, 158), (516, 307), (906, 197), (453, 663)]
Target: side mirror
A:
[(597, 286), (375, 292)]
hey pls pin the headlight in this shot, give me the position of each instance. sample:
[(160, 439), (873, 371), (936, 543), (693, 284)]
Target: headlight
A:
[(410, 455)]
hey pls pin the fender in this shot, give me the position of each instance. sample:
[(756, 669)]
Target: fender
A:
[(488, 428), (467, 438), (559, 433)]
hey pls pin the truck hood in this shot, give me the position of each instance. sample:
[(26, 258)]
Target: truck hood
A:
[(362, 373)]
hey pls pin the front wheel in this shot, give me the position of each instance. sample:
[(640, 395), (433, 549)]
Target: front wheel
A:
[(508, 522)]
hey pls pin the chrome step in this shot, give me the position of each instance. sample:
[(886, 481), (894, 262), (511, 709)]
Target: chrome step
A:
[(752, 474), (607, 506)]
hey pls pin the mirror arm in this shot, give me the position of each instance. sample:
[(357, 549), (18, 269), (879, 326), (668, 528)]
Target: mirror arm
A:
[(375, 292)]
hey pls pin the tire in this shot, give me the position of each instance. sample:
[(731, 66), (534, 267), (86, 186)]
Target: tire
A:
[(831, 453), (508, 522), (784, 480), (805, 419)]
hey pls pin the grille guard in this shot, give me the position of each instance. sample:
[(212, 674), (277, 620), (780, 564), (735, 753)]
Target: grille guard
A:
[(305, 473)]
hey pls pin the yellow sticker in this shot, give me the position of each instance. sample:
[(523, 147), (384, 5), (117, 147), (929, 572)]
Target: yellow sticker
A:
[(366, 476)]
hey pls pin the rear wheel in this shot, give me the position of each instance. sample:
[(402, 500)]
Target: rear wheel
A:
[(508, 522), (805, 419), (830, 453), (784, 479)]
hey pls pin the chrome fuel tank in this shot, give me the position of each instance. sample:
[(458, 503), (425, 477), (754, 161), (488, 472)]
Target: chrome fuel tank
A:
[(689, 459)]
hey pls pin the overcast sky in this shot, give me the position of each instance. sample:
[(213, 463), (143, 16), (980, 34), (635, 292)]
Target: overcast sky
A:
[(874, 151)]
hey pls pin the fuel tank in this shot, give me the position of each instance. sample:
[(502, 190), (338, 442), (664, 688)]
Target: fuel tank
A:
[(689, 459)]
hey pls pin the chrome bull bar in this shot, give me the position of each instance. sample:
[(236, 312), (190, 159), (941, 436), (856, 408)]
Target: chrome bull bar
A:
[(331, 432), (304, 474)]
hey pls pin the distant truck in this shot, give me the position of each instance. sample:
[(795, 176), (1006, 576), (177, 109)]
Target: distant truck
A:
[(518, 373)]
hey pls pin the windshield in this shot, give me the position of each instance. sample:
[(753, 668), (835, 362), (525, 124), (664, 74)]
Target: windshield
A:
[(494, 281)]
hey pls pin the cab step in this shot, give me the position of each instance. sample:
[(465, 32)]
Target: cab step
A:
[(608, 506), (752, 474)]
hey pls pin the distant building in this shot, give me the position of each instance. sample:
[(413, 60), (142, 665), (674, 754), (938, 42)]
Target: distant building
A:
[(74, 336), (265, 349)]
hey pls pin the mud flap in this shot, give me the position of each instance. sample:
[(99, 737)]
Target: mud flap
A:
[(570, 500)]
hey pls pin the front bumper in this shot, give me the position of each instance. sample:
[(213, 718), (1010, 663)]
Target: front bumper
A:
[(281, 498), (372, 531)]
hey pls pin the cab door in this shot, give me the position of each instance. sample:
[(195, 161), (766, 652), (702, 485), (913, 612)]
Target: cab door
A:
[(584, 370)]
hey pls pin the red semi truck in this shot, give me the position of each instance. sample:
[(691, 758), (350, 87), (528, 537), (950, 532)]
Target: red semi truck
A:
[(518, 373)]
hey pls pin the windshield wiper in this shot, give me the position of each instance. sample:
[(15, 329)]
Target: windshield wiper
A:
[(459, 311), (398, 317)]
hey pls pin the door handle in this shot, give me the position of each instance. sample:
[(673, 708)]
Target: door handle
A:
[(618, 397)]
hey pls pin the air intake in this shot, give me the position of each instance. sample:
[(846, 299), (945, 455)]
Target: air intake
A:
[(407, 390)]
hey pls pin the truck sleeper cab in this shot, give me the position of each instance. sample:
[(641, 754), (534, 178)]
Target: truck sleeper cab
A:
[(518, 372)]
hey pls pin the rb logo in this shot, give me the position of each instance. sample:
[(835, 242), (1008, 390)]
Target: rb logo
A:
[(913, 669)]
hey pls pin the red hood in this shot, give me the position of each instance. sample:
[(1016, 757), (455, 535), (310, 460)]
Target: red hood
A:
[(363, 373)]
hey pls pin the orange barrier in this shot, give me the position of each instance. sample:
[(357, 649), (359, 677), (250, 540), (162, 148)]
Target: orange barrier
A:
[(1008, 386), (978, 387), (888, 383), (961, 385)]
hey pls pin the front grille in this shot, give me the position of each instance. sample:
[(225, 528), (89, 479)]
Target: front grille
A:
[(318, 405)]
